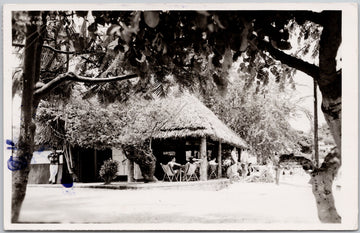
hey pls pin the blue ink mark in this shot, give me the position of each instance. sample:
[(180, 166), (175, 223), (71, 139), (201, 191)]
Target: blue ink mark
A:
[(68, 184), (9, 142), (11, 145), (16, 163)]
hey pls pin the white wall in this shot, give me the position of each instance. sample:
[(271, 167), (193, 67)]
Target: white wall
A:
[(119, 155), (123, 168), (41, 157)]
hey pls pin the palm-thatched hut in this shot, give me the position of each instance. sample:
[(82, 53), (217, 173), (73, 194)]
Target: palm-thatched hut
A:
[(191, 129), (180, 126)]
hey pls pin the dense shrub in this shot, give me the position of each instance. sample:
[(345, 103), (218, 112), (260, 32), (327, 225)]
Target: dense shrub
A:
[(108, 170)]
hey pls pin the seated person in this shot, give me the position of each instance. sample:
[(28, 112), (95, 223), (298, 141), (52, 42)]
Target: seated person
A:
[(213, 162), (250, 169), (243, 169), (194, 160), (232, 173), (173, 164)]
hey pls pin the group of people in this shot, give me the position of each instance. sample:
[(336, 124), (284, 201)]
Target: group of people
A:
[(234, 168), (176, 166)]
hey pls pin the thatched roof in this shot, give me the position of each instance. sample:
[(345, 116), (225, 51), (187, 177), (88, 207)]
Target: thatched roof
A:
[(189, 117), (90, 125)]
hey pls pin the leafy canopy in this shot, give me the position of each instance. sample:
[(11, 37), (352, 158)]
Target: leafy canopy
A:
[(195, 48), (259, 117)]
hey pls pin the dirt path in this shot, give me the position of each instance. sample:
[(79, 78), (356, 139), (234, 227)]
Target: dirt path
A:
[(239, 203)]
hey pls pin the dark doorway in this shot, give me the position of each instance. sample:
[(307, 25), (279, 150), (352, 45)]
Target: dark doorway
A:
[(89, 162)]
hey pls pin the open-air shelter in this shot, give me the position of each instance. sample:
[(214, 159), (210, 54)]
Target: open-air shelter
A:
[(193, 130)]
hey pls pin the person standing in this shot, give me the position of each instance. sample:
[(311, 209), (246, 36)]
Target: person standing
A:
[(234, 155), (54, 166), (232, 171), (245, 156)]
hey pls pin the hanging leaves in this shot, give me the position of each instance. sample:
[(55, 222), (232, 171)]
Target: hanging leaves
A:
[(157, 44), (259, 114)]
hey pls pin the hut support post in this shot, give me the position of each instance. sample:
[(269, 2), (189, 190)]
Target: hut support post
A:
[(219, 161), (131, 169), (95, 163), (203, 157)]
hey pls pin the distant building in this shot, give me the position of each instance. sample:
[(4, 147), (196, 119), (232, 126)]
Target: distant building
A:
[(40, 172)]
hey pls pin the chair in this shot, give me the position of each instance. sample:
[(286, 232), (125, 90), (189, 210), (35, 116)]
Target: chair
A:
[(190, 172), (213, 170), (170, 174)]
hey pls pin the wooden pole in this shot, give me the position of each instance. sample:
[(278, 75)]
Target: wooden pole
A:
[(131, 168), (203, 157), (95, 165), (316, 145), (219, 161), (277, 174)]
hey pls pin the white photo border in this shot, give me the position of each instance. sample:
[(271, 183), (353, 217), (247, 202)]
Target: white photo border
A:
[(349, 113)]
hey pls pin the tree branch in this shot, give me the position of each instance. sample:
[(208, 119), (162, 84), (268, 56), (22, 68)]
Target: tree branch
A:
[(57, 50), (332, 161), (307, 68), (70, 76), (304, 162)]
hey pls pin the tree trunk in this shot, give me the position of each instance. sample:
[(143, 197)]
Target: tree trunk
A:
[(322, 180), (329, 81), (219, 160), (145, 159), (147, 164), (31, 72), (69, 161), (130, 171), (330, 86), (277, 174), (204, 162)]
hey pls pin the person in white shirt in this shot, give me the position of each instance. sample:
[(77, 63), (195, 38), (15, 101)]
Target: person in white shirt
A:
[(173, 164), (54, 166), (213, 162)]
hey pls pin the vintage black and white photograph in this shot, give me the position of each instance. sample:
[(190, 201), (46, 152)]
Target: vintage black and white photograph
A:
[(180, 117)]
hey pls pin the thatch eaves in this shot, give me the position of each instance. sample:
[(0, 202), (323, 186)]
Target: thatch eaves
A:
[(93, 126), (191, 118)]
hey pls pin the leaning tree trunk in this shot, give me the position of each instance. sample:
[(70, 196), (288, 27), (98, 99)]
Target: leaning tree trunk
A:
[(147, 164), (145, 159), (330, 87), (329, 81), (69, 161), (322, 178), (321, 181), (31, 72)]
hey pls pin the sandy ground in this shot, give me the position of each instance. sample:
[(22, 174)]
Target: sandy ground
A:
[(290, 202)]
